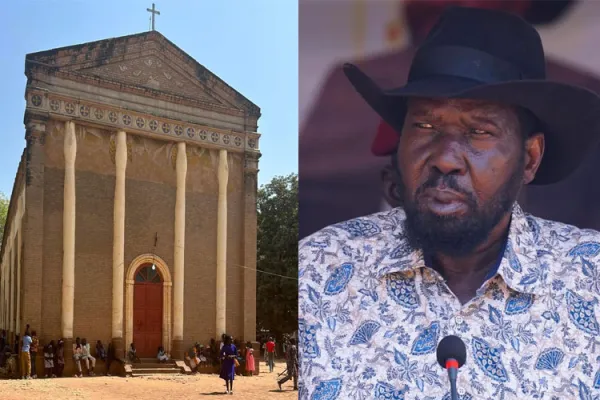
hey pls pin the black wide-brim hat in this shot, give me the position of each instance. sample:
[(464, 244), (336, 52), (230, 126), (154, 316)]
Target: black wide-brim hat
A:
[(495, 56)]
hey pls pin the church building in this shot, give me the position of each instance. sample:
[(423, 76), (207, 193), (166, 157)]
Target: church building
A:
[(133, 212)]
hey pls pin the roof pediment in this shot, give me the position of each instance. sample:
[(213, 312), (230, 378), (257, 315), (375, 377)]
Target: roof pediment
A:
[(147, 61)]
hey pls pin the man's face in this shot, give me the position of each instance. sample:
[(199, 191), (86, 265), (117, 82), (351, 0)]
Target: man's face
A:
[(462, 165)]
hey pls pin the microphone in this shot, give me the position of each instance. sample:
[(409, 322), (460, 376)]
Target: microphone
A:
[(451, 355)]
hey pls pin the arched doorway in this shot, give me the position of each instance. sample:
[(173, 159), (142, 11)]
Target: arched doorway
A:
[(147, 310), (163, 270)]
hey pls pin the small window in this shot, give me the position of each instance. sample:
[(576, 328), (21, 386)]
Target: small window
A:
[(148, 275)]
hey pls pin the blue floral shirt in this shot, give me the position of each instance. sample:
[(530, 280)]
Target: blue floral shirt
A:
[(372, 314)]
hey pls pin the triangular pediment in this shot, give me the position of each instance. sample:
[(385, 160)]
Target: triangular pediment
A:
[(153, 73), (146, 60)]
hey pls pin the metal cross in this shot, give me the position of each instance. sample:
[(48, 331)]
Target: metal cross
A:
[(154, 12)]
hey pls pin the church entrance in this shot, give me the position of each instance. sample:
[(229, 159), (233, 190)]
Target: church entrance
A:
[(147, 311)]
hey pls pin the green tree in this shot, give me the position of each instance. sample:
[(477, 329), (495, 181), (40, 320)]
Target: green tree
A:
[(4, 201), (277, 286)]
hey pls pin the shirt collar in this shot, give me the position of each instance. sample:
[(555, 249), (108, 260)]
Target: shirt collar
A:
[(519, 265)]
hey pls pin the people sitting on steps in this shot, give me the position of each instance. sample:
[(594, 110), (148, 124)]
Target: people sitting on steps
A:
[(132, 354), (90, 361), (161, 355), (192, 358), (77, 354)]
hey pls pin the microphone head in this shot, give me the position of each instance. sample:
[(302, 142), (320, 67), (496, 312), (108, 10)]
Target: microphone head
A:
[(451, 347)]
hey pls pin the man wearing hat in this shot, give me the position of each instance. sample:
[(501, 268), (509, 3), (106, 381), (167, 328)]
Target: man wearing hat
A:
[(338, 172), (476, 121)]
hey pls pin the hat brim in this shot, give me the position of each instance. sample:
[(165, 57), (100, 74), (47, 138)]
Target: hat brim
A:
[(570, 115)]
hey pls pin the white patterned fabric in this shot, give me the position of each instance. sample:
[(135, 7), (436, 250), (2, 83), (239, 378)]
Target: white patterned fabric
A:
[(372, 314)]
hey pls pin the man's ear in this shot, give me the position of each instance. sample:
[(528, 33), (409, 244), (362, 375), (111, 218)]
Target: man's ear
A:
[(391, 186), (534, 152)]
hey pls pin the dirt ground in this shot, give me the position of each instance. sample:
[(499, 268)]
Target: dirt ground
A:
[(156, 387)]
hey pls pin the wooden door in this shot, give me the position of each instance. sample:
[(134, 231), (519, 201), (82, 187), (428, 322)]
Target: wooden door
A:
[(147, 312)]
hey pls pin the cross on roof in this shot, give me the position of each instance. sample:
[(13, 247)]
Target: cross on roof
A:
[(154, 12)]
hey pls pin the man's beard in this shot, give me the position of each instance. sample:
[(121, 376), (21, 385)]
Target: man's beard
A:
[(458, 235)]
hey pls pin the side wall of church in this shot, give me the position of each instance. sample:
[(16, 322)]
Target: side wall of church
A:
[(11, 258), (149, 213)]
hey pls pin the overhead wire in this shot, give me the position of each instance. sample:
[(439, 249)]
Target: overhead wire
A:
[(263, 272)]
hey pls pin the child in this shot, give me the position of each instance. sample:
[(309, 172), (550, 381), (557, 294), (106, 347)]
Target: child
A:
[(192, 357), (33, 349), (132, 354), (249, 359), (49, 360), (100, 351), (77, 354), (87, 356), (202, 356), (60, 358), (162, 356)]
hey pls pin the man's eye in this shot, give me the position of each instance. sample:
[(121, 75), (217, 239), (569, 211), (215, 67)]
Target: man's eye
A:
[(423, 125), (480, 132)]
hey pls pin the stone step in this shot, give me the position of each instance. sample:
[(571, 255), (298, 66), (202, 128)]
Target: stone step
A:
[(153, 365), (154, 371), (138, 375)]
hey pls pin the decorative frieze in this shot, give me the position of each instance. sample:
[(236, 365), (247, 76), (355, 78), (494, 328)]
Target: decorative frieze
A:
[(132, 121)]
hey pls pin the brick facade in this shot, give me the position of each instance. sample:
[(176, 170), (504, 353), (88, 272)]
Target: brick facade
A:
[(55, 95)]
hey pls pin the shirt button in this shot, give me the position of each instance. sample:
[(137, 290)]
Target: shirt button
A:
[(461, 392), (459, 320)]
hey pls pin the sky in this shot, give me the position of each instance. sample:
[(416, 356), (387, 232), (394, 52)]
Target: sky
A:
[(251, 45)]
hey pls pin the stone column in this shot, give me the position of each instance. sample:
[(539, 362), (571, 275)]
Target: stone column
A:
[(119, 244), (249, 246), (3, 303), (33, 221), (221, 303), (5, 294), (18, 308), (68, 272), (8, 285), (13, 284), (179, 255)]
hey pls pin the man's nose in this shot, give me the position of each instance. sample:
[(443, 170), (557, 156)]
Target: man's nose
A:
[(448, 155)]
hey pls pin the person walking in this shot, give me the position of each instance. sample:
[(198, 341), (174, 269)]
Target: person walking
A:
[(271, 354), (229, 361), (291, 358)]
